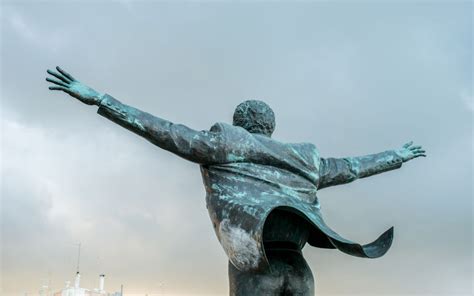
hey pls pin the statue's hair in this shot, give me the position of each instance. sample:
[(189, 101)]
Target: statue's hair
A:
[(255, 116)]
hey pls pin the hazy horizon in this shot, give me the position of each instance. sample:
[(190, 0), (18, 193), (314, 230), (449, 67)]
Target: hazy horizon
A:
[(353, 78)]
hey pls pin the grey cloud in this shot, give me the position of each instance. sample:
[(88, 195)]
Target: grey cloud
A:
[(351, 78)]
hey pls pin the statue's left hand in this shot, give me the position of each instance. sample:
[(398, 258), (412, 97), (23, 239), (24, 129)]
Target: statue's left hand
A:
[(74, 88), (408, 152)]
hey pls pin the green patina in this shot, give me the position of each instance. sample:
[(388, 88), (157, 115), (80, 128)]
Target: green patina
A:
[(249, 177)]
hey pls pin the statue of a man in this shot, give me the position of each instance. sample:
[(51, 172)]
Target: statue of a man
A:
[(261, 194)]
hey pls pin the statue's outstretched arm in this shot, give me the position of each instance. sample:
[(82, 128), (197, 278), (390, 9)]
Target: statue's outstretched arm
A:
[(335, 171), (204, 147)]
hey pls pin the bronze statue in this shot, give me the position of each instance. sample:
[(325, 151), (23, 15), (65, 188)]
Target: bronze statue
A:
[(261, 193)]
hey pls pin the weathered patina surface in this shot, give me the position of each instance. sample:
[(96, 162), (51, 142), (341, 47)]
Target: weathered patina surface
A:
[(248, 177)]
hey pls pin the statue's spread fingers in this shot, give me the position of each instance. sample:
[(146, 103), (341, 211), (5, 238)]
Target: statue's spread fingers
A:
[(58, 88), (408, 144), (56, 82), (65, 73), (58, 76), (415, 147)]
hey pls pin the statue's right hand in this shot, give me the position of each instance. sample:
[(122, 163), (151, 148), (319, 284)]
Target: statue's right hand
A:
[(409, 152), (74, 88)]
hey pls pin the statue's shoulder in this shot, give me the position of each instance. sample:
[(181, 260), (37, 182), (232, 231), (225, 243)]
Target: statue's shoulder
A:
[(309, 150), (304, 145), (313, 147), (315, 151), (310, 147)]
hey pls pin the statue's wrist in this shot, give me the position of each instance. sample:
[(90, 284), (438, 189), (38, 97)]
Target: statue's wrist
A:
[(399, 153), (99, 98)]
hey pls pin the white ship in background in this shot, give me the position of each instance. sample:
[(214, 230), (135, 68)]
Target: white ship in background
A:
[(77, 290)]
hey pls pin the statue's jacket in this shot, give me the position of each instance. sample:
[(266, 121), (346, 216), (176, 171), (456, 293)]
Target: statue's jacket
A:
[(247, 176)]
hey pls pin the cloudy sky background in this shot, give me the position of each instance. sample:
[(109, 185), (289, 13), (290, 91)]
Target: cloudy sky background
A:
[(352, 77)]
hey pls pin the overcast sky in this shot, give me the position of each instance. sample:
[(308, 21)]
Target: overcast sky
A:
[(351, 77)]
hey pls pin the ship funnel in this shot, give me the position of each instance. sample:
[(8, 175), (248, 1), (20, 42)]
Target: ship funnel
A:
[(101, 282), (77, 280)]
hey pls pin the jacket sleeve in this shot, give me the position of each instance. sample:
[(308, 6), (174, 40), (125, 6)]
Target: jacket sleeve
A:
[(335, 171), (203, 147)]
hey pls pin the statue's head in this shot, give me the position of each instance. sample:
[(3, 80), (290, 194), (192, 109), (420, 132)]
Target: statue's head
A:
[(255, 116)]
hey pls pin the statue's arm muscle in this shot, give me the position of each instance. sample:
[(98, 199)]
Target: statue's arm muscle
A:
[(335, 171), (203, 147)]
